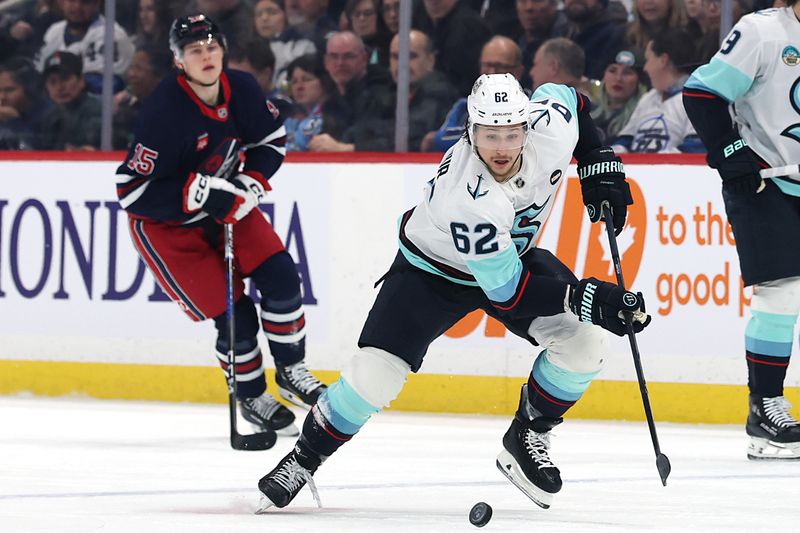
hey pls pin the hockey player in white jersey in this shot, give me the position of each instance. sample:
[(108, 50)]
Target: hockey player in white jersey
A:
[(755, 77), (471, 244)]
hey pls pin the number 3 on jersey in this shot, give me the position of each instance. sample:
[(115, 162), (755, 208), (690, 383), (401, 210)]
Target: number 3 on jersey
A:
[(483, 235)]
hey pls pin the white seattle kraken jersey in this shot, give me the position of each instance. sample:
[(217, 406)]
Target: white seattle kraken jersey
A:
[(90, 48), (758, 70), (657, 125), (471, 229)]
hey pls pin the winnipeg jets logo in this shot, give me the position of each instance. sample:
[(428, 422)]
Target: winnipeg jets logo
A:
[(477, 193), (222, 112)]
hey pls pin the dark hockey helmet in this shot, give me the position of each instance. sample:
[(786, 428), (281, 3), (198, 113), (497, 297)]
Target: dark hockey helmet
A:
[(192, 29)]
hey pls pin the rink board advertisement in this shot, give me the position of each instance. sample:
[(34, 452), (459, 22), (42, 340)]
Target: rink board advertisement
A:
[(81, 314)]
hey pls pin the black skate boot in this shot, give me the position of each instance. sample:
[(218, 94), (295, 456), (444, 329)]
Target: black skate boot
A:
[(524, 460), (265, 412), (774, 432), (287, 479), (297, 385)]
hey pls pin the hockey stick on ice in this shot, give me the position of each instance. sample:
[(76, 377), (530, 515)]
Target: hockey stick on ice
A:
[(255, 441), (662, 462)]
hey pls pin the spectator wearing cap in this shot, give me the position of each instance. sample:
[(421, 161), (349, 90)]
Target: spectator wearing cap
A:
[(150, 64), (598, 33), (22, 105), (74, 122), (540, 20), (271, 23), (562, 61), (458, 35), (651, 17), (620, 91), (500, 55), (659, 122), (82, 32)]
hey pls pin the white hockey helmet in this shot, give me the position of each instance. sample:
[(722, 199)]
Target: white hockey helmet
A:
[(497, 100)]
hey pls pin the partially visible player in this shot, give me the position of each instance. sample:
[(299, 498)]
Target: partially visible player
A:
[(179, 184), (755, 74), (471, 244)]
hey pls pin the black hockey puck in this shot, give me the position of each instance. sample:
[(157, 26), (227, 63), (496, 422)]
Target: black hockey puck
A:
[(480, 514)]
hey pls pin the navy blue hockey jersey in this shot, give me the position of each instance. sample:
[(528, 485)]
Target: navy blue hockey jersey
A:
[(178, 134)]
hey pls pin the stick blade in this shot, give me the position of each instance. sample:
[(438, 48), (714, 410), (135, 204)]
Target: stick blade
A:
[(253, 442), (664, 468)]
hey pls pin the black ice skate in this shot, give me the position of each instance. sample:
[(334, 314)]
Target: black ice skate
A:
[(524, 459), (774, 432), (287, 479), (265, 412), (297, 385)]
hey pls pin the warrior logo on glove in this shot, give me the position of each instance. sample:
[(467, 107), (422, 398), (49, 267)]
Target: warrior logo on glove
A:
[(609, 306)]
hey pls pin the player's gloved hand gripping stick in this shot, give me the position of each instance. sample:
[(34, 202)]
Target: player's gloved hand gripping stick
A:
[(662, 462)]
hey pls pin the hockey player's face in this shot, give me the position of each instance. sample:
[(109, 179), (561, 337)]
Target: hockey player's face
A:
[(202, 61), (499, 147)]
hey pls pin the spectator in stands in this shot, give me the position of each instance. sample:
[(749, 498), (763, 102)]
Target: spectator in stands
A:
[(153, 22), (499, 15), (363, 92), (560, 60), (499, 56), (234, 17), (430, 92), (271, 23), (540, 20), (707, 23), (651, 17), (150, 64), (22, 105), (311, 87), (256, 58), (458, 35), (365, 21), (621, 89), (74, 122), (659, 123), (82, 32), (317, 25), (596, 32), (390, 12), (22, 27)]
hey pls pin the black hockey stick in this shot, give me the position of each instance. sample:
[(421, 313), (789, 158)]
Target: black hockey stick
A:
[(662, 462), (255, 441)]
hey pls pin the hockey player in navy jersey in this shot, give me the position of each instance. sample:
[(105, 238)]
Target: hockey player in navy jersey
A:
[(754, 75), (471, 244), (182, 179)]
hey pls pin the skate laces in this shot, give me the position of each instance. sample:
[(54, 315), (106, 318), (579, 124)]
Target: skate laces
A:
[(264, 406), (300, 377), (537, 445), (777, 411), (291, 476)]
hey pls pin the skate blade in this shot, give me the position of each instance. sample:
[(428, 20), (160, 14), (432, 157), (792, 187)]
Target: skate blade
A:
[(767, 450), (264, 505), (292, 398), (509, 467)]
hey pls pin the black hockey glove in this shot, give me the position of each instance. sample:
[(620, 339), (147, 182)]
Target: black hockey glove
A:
[(603, 180), (737, 164), (218, 197), (605, 304)]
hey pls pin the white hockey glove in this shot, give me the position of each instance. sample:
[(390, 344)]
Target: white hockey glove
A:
[(221, 199), (252, 186)]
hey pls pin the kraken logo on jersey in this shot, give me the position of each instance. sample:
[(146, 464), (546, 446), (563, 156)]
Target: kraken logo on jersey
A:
[(525, 227), (477, 192)]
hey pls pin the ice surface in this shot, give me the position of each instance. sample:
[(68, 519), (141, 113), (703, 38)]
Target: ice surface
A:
[(75, 465)]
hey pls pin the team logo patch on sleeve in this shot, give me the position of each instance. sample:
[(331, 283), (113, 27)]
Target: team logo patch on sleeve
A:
[(791, 56), (273, 109), (202, 142)]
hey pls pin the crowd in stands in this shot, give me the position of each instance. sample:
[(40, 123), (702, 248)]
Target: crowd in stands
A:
[(331, 66)]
